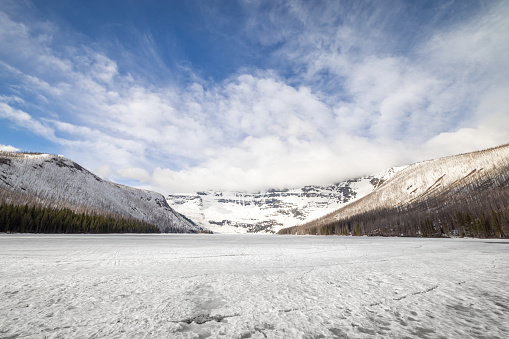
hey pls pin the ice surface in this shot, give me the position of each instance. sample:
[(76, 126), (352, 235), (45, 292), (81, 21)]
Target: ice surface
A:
[(252, 286)]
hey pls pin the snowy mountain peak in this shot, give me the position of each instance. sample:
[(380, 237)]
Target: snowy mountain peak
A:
[(273, 209)]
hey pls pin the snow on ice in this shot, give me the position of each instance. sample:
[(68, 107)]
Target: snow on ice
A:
[(252, 286)]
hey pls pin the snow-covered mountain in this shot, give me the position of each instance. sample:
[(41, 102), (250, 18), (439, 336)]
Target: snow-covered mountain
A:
[(271, 210), (56, 182), (433, 191)]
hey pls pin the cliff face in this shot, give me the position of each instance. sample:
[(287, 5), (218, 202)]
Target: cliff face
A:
[(271, 210)]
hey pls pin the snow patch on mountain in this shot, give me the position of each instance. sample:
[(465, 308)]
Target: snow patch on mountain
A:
[(269, 211)]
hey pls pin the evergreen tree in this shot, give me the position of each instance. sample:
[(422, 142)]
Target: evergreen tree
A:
[(45, 220)]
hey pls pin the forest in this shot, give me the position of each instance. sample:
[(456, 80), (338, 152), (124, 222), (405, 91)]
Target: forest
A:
[(32, 219), (478, 209), (490, 224)]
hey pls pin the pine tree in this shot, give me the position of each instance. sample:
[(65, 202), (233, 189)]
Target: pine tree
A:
[(468, 224), (497, 224)]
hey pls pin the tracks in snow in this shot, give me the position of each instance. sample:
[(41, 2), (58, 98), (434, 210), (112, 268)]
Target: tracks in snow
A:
[(432, 288)]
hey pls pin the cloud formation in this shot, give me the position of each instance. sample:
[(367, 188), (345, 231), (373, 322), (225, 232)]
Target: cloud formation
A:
[(340, 95), (8, 148)]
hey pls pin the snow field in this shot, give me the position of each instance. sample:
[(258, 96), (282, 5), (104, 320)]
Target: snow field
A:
[(252, 286)]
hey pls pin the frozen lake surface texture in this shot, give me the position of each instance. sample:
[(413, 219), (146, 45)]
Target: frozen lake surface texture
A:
[(252, 286)]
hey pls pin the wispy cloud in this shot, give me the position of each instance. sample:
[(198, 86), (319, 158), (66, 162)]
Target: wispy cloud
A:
[(340, 94), (24, 120)]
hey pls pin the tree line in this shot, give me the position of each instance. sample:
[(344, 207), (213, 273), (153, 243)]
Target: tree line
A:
[(32, 219), (380, 223)]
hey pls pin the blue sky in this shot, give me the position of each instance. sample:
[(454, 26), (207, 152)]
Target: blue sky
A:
[(180, 96)]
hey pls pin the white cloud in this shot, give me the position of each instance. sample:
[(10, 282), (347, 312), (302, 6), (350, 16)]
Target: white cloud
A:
[(25, 120), (103, 172), (258, 129), (138, 174), (270, 162), (8, 148), (491, 125)]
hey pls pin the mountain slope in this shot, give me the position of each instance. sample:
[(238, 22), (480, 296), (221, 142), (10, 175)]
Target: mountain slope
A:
[(56, 182), (269, 211), (426, 197)]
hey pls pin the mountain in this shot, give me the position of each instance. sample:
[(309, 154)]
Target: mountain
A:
[(271, 210), (466, 194), (52, 181)]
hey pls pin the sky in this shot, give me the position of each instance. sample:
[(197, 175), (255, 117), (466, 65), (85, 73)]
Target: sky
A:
[(183, 96)]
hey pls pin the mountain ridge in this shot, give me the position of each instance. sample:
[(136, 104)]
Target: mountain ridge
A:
[(270, 210), (464, 194), (431, 197), (53, 181)]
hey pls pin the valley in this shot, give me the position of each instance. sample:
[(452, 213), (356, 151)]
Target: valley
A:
[(460, 195)]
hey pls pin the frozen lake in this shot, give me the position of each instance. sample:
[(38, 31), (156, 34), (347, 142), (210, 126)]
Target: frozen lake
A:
[(252, 286)]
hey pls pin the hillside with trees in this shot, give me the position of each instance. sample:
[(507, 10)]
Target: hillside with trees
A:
[(463, 195), (55, 183)]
